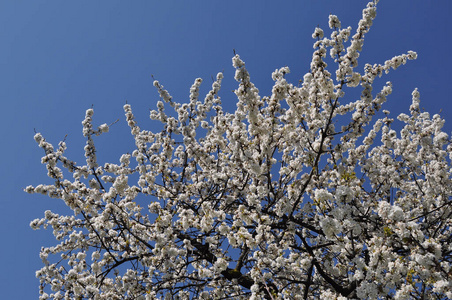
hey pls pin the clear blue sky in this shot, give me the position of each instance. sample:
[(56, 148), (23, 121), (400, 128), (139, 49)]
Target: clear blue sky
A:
[(58, 58)]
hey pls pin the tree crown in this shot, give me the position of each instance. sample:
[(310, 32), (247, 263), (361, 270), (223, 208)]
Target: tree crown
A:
[(303, 194)]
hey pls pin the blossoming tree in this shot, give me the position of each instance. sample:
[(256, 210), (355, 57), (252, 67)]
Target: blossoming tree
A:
[(304, 194)]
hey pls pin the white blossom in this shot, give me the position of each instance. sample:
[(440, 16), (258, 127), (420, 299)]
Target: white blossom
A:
[(301, 194), (334, 22)]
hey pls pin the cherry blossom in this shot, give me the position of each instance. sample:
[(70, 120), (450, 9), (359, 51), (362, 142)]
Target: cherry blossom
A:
[(303, 194)]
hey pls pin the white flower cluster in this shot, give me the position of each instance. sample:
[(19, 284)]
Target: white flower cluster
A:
[(273, 201)]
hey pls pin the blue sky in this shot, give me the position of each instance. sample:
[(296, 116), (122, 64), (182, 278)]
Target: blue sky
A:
[(58, 58)]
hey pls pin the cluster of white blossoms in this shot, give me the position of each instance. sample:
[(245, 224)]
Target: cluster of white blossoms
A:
[(304, 194)]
